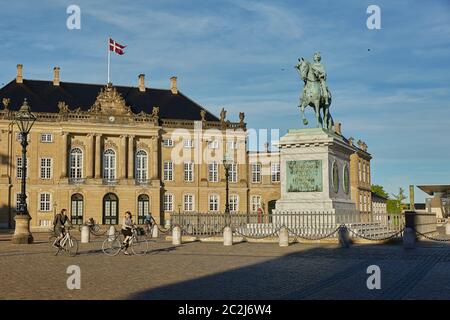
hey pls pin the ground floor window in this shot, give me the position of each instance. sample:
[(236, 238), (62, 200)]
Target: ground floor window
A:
[(110, 209), (143, 208), (76, 209)]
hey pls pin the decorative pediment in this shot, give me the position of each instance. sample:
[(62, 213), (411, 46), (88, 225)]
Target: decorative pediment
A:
[(109, 101), (142, 146), (110, 145), (77, 144)]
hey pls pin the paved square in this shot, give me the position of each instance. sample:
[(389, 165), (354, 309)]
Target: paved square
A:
[(211, 271)]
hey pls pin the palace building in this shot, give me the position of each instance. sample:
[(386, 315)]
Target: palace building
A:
[(100, 150)]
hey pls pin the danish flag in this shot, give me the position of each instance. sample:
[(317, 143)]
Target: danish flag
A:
[(117, 48)]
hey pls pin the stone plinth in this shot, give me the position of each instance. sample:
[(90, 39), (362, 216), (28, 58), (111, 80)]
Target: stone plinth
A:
[(315, 172), (22, 234)]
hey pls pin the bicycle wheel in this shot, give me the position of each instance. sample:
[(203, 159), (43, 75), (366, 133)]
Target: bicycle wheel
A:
[(139, 246), (51, 241), (71, 246), (111, 246)]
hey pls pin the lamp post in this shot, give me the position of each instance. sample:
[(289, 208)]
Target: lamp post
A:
[(227, 165), (24, 120)]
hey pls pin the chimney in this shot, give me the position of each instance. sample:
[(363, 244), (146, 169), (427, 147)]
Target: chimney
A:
[(142, 82), (19, 78), (56, 76), (173, 85), (338, 128)]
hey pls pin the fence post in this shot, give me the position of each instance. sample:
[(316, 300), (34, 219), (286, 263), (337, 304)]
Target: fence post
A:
[(155, 231), (409, 238), (85, 234), (284, 237), (344, 236), (227, 236), (111, 233), (447, 228), (176, 236)]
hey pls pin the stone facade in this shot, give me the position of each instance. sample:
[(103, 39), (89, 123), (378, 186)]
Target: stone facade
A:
[(360, 179)]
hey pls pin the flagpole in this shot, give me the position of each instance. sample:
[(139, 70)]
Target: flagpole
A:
[(109, 61)]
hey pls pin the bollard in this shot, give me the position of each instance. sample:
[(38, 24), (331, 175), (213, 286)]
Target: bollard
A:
[(155, 231), (409, 238), (344, 237), (111, 233), (227, 236), (447, 228), (176, 236), (284, 237), (167, 224), (85, 234)]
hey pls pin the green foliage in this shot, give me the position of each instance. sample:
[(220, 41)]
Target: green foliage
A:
[(393, 206), (379, 190)]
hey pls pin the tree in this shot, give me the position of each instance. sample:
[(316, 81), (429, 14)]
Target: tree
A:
[(400, 197), (379, 191)]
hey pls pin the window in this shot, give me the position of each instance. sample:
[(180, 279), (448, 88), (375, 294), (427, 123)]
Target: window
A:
[(168, 202), (214, 144), (359, 170), (188, 171), (19, 168), (109, 164), (213, 175), (143, 208), (213, 202), (360, 202), (110, 209), (275, 171), (76, 209), (45, 223), (17, 201), (256, 173), (168, 171), (255, 203), (19, 137), (232, 177), (234, 203), (188, 202), (46, 168), (167, 142), (141, 165), (368, 173), (232, 145), (46, 137), (188, 143), (76, 164), (364, 172), (45, 202)]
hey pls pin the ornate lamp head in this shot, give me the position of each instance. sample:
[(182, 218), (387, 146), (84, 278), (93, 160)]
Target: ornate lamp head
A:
[(24, 118)]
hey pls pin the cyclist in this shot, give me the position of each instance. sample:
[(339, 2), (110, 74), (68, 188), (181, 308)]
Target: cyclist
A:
[(59, 226), (127, 228), (149, 222)]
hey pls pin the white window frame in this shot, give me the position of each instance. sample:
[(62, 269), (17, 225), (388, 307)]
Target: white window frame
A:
[(168, 142), (188, 143), (19, 168), (46, 168), (213, 172), (255, 203), (168, 171), (256, 172), (141, 171), (213, 202), (232, 145), (233, 173), (109, 164), (188, 171), (168, 202), (234, 203), (46, 137), (188, 202), (45, 202), (76, 163), (213, 144), (275, 172)]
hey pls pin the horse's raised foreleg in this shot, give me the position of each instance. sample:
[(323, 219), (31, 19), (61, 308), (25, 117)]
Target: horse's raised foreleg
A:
[(302, 110)]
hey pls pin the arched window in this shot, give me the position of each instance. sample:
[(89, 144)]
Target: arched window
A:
[(76, 209), (141, 165), (109, 164), (110, 209), (143, 208), (76, 164)]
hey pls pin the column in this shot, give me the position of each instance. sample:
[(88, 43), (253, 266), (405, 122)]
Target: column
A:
[(90, 156), (64, 136), (123, 157), (155, 158), (130, 157), (98, 156)]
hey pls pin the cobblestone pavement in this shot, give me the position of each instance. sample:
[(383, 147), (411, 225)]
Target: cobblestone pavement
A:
[(211, 271)]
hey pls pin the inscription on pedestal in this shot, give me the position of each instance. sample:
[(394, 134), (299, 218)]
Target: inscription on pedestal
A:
[(304, 176)]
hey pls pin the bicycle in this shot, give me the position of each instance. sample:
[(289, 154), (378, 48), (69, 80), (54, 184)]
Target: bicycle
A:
[(68, 244), (112, 245), (94, 228)]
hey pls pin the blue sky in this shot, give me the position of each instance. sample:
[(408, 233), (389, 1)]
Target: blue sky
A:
[(391, 87)]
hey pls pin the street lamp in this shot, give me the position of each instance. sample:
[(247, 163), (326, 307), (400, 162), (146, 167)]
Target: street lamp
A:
[(24, 120), (227, 162)]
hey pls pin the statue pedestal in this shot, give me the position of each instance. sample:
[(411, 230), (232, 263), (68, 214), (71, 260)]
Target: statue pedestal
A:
[(315, 173), (22, 234)]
